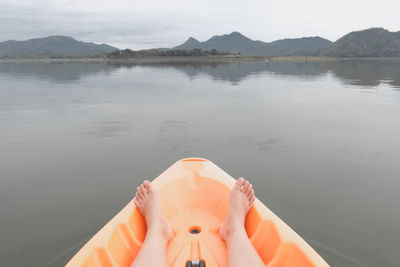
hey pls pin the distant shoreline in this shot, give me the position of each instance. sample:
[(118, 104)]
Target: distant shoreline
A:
[(147, 59), (206, 59)]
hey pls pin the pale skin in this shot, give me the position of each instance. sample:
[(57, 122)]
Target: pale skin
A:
[(241, 252)]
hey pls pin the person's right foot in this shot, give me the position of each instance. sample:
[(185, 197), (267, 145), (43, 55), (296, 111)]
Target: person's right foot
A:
[(241, 200)]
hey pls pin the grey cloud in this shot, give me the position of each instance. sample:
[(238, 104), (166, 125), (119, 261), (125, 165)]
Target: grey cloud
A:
[(146, 24), (112, 27)]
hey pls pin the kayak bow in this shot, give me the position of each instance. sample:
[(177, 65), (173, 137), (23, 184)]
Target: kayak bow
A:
[(194, 194)]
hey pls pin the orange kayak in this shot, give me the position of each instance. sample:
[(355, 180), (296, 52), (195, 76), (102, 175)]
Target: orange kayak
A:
[(194, 194)]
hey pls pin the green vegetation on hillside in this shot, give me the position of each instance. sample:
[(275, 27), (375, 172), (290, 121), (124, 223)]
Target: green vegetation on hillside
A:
[(374, 42), (128, 53)]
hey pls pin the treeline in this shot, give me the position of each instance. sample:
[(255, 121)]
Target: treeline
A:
[(128, 53)]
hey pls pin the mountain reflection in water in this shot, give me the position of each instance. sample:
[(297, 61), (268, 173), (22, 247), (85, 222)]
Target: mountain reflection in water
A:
[(365, 73)]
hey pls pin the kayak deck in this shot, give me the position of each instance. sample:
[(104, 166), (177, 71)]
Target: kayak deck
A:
[(195, 201)]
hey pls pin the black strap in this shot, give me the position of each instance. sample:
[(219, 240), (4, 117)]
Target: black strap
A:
[(195, 263)]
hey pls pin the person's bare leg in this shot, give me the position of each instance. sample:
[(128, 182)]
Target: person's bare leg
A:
[(154, 249), (241, 252)]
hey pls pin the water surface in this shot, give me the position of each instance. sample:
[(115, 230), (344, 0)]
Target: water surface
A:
[(319, 141)]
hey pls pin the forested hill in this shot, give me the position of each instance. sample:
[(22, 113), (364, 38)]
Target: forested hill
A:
[(238, 43), (374, 42), (53, 46)]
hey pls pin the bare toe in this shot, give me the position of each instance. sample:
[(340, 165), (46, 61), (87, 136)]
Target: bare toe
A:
[(250, 190), (239, 183), (142, 191), (138, 195), (245, 186)]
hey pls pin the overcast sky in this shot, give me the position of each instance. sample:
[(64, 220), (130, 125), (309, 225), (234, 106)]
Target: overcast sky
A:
[(145, 24)]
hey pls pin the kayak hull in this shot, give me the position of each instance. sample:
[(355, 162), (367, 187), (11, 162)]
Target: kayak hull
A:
[(194, 194)]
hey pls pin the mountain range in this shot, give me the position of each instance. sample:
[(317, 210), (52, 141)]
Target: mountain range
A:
[(238, 43), (53, 46), (374, 42)]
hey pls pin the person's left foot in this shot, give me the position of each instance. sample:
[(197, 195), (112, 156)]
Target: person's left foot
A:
[(148, 202)]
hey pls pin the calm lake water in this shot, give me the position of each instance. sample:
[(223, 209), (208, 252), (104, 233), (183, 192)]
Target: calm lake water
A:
[(319, 141)]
